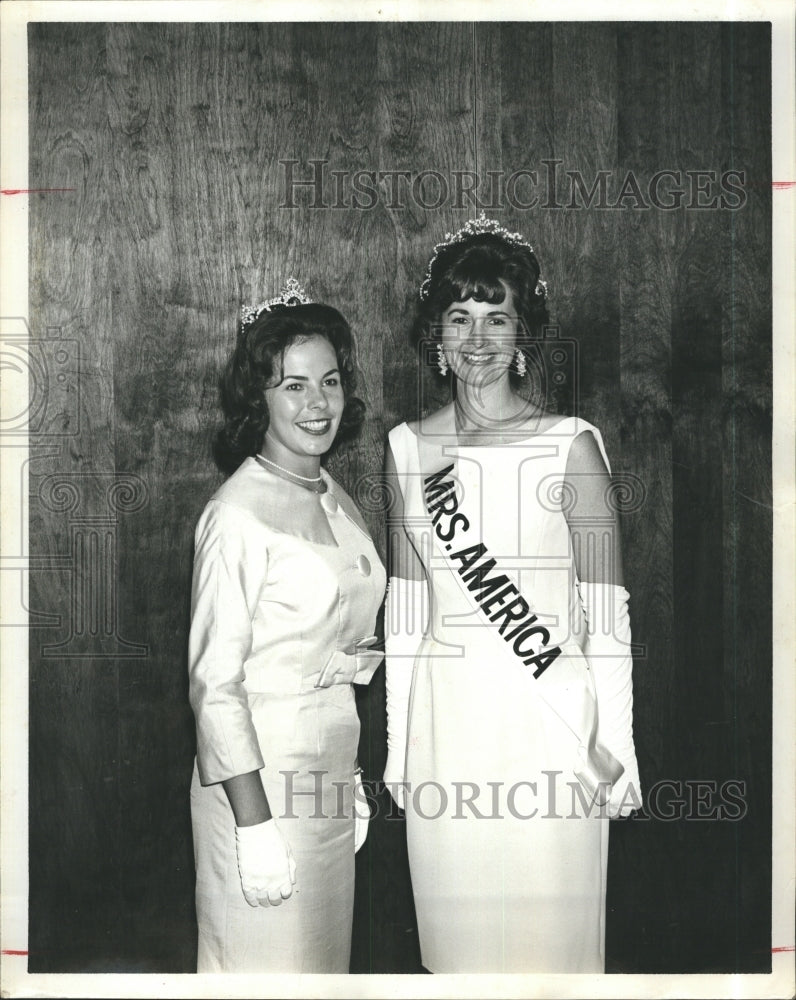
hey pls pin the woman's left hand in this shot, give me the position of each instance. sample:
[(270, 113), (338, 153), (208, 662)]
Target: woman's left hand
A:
[(361, 812)]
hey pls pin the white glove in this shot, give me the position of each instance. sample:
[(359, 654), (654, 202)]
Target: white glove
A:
[(403, 632), (361, 812), (607, 649), (265, 862)]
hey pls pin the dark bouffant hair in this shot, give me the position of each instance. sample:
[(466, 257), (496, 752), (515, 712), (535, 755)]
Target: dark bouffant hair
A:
[(474, 269), (258, 359)]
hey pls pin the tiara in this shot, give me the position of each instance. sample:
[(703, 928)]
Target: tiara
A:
[(292, 294), (477, 227)]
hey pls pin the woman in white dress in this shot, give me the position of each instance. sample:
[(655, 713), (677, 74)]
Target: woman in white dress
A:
[(286, 587), (509, 691)]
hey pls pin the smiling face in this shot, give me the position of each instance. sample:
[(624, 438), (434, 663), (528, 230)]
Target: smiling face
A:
[(479, 338), (305, 407)]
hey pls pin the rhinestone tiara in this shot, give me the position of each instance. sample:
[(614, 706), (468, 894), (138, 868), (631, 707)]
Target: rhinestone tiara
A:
[(477, 227), (292, 294)]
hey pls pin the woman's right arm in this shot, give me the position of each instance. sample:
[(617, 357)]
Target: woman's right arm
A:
[(226, 588), (247, 799), (227, 584)]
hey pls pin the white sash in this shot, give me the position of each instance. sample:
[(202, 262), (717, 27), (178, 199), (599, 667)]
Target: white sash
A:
[(562, 686)]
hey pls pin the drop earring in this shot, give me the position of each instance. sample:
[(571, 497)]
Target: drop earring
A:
[(519, 361), (442, 361)]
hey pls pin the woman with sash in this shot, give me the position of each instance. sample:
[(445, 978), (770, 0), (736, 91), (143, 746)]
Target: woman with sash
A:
[(286, 587), (509, 691)]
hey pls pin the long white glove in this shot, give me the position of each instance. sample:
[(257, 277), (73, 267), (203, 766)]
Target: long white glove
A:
[(265, 862), (403, 632), (607, 649), (361, 812)]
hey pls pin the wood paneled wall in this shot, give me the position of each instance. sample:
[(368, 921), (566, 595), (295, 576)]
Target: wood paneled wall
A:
[(171, 138)]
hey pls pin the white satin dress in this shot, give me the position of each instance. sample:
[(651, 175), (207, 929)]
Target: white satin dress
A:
[(286, 582), (508, 869)]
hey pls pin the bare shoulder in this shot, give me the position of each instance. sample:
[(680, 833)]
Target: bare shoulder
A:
[(543, 422), (538, 423), (585, 455)]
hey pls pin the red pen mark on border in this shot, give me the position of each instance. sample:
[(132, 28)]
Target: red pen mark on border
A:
[(10, 951), (34, 190), (782, 185), (788, 947)]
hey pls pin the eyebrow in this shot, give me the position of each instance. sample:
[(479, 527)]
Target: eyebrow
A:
[(304, 378), (492, 312)]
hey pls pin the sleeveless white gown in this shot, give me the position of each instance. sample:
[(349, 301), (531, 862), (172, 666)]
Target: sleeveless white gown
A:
[(508, 863)]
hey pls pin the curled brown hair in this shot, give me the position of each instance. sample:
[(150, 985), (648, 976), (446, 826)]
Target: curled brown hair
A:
[(476, 268), (258, 359)]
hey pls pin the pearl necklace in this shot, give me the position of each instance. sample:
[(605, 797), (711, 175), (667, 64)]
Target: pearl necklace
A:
[(313, 480)]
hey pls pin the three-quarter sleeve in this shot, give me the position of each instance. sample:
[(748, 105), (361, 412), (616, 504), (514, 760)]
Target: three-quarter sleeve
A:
[(230, 566)]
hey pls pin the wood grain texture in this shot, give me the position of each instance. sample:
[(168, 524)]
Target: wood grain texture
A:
[(431, 119), (74, 707), (179, 141), (746, 422), (646, 303), (697, 500)]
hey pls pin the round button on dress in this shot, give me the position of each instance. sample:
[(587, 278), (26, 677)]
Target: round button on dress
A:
[(363, 565)]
